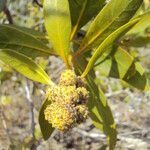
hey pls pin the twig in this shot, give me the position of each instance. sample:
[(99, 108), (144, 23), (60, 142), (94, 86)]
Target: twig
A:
[(31, 108), (135, 132), (7, 13), (121, 136), (90, 135), (37, 2), (111, 93)]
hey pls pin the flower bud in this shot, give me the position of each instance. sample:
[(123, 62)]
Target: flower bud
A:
[(63, 94), (53, 93), (69, 94), (61, 117), (82, 112), (80, 82), (68, 78), (83, 95)]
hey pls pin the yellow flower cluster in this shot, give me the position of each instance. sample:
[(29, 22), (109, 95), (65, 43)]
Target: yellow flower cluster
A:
[(68, 78), (61, 117), (68, 102)]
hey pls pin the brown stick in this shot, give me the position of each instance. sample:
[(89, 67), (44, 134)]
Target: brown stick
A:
[(8, 15), (37, 2)]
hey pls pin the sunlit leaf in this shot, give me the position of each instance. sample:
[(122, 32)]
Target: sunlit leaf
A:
[(140, 28), (139, 35), (121, 65), (58, 26), (108, 44), (24, 65), (115, 14)]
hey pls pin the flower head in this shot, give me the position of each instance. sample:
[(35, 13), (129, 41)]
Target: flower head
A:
[(61, 117), (68, 102), (83, 95), (82, 112), (68, 78)]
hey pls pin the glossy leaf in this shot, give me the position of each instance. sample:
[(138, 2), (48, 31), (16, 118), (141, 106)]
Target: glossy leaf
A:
[(82, 12), (22, 42), (46, 128), (113, 15), (100, 112), (108, 44), (24, 65), (58, 26), (121, 65)]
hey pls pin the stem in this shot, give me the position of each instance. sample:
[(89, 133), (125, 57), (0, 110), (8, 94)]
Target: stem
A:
[(78, 52), (83, 75), (67, 64), (8, 15), (37, 2), (31, 108), (68, 61)]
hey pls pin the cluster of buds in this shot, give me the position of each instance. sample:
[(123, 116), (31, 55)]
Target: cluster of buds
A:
[(68, 102)]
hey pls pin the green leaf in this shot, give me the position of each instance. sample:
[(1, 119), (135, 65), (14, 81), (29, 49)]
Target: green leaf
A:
[(58, 26), (35, 33), (141, 26), (139, 35), (25, 66), (46, 128), (118, 65), (139, 79), (100, 112), (115, 14), (136, 41), (108, 44), (121, 65), (82, 12), (22, 42)]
